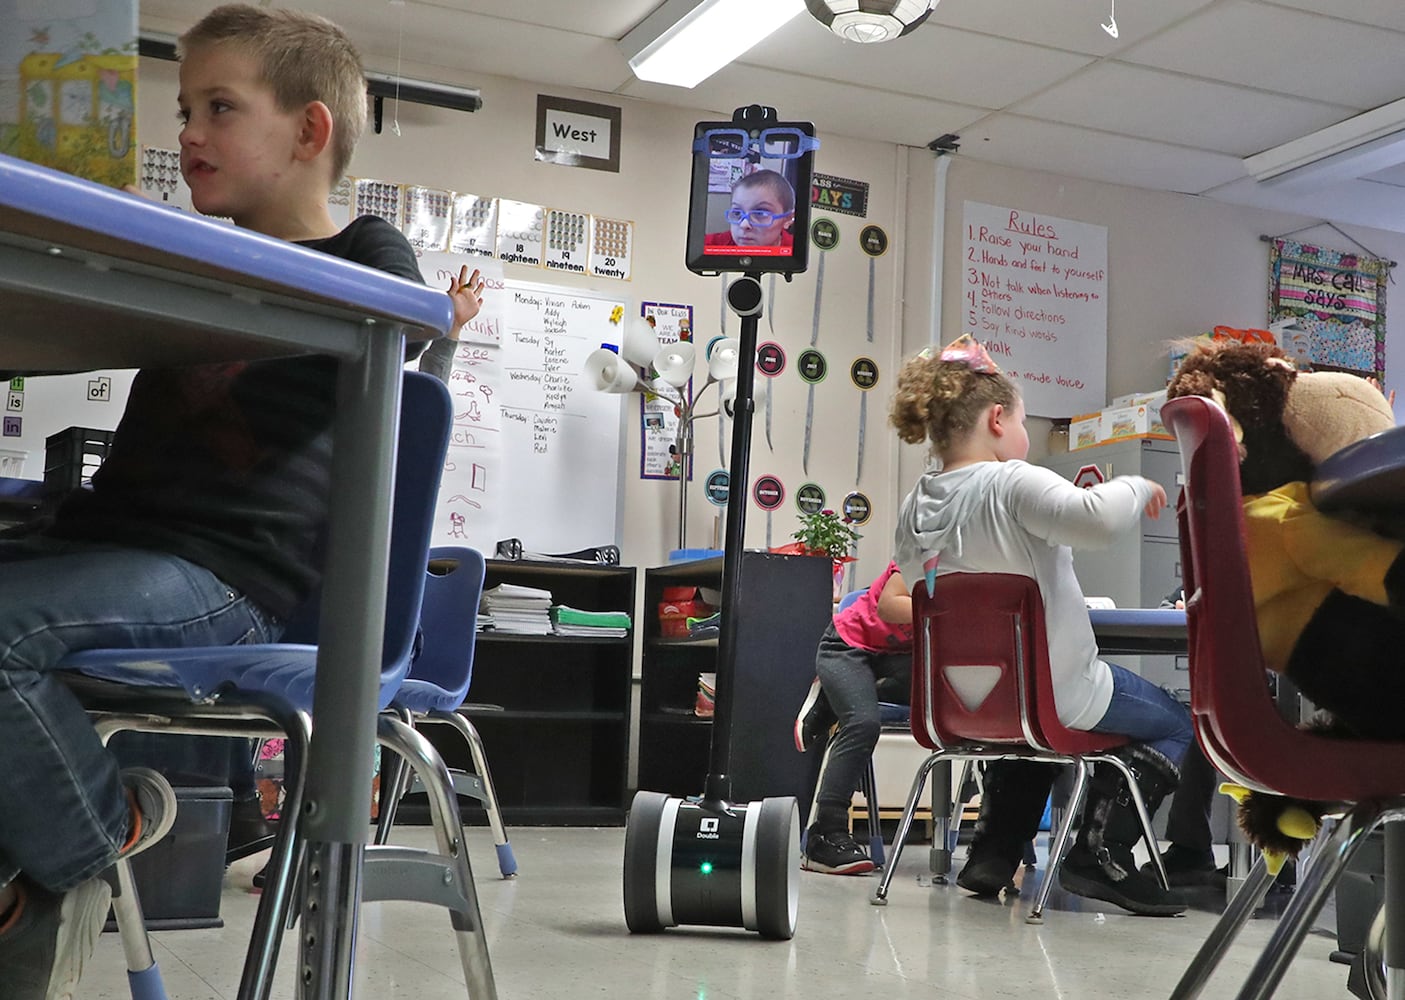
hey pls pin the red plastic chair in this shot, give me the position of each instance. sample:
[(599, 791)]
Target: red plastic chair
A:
[(1236, 720), (981, 690)]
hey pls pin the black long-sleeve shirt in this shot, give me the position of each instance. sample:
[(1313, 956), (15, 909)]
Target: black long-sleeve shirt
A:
[(228, 465)]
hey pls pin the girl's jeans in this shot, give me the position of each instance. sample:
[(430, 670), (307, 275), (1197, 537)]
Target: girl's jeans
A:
[(1146, 713), (63, 811)]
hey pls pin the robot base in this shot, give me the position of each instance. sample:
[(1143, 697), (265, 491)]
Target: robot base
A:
[(715, 864)]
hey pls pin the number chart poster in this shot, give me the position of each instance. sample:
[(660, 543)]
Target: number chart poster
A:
[(1034, 292), (658, 449)]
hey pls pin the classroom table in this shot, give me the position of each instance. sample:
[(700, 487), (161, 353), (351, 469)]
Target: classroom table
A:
[(91, 277), (1139, 631)]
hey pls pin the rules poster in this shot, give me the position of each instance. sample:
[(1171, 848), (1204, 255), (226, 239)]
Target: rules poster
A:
[(1034, 292)]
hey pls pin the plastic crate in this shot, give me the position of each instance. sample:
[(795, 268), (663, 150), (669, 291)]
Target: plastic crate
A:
[(72, 456), (179, 879), (12, 463)]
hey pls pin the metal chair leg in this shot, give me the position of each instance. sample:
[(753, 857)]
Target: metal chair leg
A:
[(1394, 909), (958, 802), (1231, 922), (1059, 846), (880, 895), (1148, 829), (395, 782), (466, 917), (1312, 892), (507, 862), (939, 854), (868, 786), (143, 974), (276, 910), (275, 905)]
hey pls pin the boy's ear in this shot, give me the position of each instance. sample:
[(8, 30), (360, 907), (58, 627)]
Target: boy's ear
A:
[(315, 132)]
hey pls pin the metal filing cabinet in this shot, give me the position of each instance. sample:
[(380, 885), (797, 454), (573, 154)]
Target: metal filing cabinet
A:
[(1142, 566)]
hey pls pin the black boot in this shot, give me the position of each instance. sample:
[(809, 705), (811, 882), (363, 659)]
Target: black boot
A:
[(1011, 805), (1100, 864)]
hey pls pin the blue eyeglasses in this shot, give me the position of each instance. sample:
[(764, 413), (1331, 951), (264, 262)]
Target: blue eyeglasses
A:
[(758, 216), (771, 143)]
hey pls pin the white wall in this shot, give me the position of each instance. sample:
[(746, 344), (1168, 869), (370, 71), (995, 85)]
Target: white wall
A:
[(1178, 265)]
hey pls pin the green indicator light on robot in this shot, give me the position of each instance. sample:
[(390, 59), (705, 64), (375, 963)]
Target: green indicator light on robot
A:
[(705, 868)]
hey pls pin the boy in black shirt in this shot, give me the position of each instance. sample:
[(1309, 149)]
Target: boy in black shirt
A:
[(200, 525)]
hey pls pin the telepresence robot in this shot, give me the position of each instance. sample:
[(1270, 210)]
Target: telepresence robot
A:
[(711, 861)]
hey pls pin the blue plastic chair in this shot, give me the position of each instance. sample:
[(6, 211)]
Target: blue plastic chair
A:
[(266, 690), (438, 683)]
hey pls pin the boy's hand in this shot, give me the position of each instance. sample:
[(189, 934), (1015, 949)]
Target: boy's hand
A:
[(467, 294), (1157, 503)]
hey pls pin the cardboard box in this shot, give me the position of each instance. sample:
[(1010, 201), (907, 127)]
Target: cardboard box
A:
[(1142, 420), (1084, 431)]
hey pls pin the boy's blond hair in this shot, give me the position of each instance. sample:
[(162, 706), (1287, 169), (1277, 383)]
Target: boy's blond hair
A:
[(303, 57)]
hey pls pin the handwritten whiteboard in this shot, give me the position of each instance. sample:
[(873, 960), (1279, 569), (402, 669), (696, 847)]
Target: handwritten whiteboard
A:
[(535, 451), (1034, 292)]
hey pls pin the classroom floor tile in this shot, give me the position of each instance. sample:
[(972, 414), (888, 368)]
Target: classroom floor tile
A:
[(558, 931)]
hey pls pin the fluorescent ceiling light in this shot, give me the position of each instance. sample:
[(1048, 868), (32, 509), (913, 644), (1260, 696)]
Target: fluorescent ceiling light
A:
[(1361, 145), (684, 42)]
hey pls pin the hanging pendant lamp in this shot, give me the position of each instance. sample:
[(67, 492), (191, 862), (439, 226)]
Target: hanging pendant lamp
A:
[(870, 20)]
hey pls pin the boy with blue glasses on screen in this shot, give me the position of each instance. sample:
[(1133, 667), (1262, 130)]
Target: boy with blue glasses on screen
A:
[(761, 214)]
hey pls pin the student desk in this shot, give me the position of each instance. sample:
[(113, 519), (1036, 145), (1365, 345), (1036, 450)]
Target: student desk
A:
[(91, 277), (1137, 631)]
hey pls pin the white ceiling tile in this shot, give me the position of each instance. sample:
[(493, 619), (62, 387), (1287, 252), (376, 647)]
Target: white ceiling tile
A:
[(1286, 51), (1359, 202), (834, 107), (1283, 68), (1150, 104), (1381, 13), (492, 42), (1394, 176), (939, 63), (484, 45), (1063, 149), (589, 17), (1069, 24)]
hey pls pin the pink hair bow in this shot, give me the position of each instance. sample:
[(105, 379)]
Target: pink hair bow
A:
[(967, 350)]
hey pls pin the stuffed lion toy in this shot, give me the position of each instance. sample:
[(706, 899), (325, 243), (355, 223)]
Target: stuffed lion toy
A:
[(1329, 595)]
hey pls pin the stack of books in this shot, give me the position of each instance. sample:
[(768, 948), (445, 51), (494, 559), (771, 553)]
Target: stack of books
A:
[(572, 621), (514, 608)]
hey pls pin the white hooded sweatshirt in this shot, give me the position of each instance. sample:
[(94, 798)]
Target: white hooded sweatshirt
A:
[(1013, 517)]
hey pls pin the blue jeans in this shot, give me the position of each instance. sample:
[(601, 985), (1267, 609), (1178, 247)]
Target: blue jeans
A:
[(63, 811), (1146, 713)]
